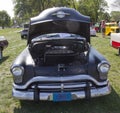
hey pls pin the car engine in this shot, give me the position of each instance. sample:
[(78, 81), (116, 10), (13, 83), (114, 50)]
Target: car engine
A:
[(57, 52)]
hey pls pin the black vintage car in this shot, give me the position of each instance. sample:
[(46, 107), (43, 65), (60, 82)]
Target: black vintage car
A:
[(24, 32), (59, 64)]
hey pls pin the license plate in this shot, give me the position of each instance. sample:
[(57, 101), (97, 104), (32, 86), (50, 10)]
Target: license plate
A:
[(61, 97)]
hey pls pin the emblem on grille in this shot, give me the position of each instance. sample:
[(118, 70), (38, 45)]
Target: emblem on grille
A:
[(62, 86)]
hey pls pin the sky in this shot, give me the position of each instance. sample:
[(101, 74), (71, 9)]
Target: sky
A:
[(8, 6), (110, 2)]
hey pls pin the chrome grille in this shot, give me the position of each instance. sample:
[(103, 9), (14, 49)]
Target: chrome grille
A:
[(59, 87)]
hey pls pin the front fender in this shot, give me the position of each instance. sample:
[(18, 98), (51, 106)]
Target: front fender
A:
[(94, 58), (25, 59)]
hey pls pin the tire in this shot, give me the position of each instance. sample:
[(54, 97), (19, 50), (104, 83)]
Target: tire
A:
[(1, 53), (109, 34)]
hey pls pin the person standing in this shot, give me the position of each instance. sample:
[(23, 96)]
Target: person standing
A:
[(119, 25), (103, 28)]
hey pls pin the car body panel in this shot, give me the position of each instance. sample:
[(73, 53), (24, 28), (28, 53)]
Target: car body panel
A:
[(3, 45), (73, 22), (92, 31), (115, 40), (111, 28), (3, 42), (59, 64), (24, 32)]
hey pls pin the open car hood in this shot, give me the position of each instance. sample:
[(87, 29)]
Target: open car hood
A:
[(59, 20)]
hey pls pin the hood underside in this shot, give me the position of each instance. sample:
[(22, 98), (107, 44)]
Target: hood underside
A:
[(60, 20)]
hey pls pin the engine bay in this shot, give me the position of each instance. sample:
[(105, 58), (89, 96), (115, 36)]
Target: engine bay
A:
[(59, 52)]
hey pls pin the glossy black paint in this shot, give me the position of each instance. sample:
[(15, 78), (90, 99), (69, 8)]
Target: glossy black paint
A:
[(60, 64), (25, 59), (47, 22), (44, 21)]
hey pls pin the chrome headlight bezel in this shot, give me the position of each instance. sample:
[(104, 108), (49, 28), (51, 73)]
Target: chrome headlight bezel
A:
[(103, 67), (17, 72)]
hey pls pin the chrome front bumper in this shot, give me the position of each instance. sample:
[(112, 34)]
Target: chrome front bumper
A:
[(27, 95), (79, 87)]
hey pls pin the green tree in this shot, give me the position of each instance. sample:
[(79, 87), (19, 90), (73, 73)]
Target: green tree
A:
[(4, 19), (92, 8), (66, 3), (28, 8), (24, 9), (115, 15)]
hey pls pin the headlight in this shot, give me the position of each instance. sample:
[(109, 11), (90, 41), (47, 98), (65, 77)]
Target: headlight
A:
[(103, 67), (18, 72)]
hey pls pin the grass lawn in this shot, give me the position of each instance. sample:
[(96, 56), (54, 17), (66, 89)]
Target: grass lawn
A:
[(106, 104)]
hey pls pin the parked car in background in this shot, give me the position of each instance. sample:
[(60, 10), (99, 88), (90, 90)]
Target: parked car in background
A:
[(111, 27), (3, 45), (115, 41), (92, 31), (59, 63), (24, 32)]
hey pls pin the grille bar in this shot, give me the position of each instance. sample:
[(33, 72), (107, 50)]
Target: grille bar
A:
[(61, 87)]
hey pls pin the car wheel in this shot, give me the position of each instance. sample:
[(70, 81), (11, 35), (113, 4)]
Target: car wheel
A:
[(1, 54), (109, 34)]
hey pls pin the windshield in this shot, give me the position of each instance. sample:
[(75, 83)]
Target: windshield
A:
[(55, 36)]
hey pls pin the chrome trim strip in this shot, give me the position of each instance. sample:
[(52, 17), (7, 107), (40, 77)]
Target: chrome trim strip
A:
[(65, 86), (25, 95), (60, 79)]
